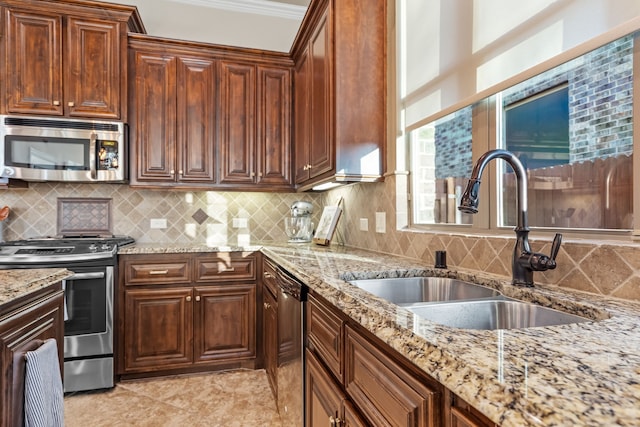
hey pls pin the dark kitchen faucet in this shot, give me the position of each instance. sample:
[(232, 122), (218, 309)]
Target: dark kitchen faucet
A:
[(524, 261)]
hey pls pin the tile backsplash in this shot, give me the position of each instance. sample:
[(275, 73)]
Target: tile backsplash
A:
[(197, 216)]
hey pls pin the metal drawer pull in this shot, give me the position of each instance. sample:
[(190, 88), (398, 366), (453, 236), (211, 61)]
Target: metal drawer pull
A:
[(158, 272), (225, 270), (268, 275), (189, 298), (267, 306), (197, 297)]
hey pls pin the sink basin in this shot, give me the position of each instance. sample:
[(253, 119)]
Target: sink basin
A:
[(493, 314), (411, 290)]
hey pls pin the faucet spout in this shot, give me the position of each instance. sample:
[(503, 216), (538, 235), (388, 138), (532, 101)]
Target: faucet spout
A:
[(524, 261)]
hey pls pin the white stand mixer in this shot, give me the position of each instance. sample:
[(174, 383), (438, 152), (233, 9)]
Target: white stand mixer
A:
[(298, 226)]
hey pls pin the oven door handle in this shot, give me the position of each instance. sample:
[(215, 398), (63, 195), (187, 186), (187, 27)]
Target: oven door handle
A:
[(86, 276)]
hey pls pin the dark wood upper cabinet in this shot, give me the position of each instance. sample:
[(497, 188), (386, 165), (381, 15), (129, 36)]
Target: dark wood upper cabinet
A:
[(340, 93), (255, 121), (273, 144), (67, 58), (237, 123), (172, 124), (206, 116)]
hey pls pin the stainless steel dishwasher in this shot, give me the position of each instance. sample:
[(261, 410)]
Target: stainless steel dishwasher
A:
[(290, 372)]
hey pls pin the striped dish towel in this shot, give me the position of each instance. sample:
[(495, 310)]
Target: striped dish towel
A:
[(43, 393)]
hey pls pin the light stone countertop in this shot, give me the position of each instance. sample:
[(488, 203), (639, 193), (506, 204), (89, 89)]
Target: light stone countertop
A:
[(570, 375), (17, 283)]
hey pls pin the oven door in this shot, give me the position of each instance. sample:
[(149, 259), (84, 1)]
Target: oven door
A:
[(88, 326)]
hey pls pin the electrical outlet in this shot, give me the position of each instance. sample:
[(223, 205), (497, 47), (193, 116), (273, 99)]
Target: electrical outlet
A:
[(240, 222), (381, 222), (158, 223), (364, 224)]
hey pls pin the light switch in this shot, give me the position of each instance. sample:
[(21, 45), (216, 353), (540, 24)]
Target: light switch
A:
[(240, 222), (364, 224), (158, 223)]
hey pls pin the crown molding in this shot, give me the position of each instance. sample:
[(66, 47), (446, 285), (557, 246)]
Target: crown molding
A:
[(259, 7)]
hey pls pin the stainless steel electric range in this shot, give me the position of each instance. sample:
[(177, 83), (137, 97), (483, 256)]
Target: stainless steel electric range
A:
[(89, 296)]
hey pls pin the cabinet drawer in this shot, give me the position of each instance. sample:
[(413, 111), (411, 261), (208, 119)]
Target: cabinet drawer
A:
[(324, 332), (224, 267), (155, 271), (385, 392)]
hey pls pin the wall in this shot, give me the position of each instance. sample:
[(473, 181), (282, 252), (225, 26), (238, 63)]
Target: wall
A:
[(599, 267), (201, 217)]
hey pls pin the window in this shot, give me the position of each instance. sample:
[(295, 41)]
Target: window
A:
[(571, 127), (441, 163)]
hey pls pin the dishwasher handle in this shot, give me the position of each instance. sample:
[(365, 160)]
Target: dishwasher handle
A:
[(290, 285)]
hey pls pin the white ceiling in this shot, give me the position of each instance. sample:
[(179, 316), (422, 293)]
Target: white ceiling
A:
[(259, 24)]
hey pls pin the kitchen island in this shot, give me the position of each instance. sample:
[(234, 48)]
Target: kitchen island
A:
[(576, 374)]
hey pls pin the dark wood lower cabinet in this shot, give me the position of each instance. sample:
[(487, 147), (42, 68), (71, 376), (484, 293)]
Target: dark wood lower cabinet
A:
[(384, 391), (325, 399), (159, 330), (23, 327), (461, 414), (187, 313), (354, 379), (224, 323)]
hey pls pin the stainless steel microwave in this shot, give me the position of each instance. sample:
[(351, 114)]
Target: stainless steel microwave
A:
[(52, 149)]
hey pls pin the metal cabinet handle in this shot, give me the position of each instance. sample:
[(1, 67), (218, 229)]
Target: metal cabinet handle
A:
[(267, 306), (71, 104), (158, 272), (172, 172), (268, 275), (180, 172), (197, 297), (335, 422), (189, 298), (56, 103), (225, 270)]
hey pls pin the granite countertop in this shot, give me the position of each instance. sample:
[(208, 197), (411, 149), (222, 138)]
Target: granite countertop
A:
[(578, 374), (17, 283)]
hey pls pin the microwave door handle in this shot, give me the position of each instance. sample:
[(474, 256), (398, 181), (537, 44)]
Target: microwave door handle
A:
[(93, 154)]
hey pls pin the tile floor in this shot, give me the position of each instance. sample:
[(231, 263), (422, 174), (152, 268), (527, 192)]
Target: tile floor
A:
[(236, 398)]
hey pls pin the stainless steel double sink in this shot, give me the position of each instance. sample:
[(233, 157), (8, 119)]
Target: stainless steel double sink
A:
[(459, 304)]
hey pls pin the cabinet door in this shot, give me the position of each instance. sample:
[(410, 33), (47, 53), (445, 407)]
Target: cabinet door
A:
[(21, 332), (302, 124), (384, 392), (34, 73), (158, 329), (324, 331), (324, 401), (274, 122), (196, 119), (154, 123), (92, 76), (237, 123), (270, 337), (322, 142), (225, 323)]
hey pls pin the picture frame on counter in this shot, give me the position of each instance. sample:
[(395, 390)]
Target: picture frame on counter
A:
[(327, 225)]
